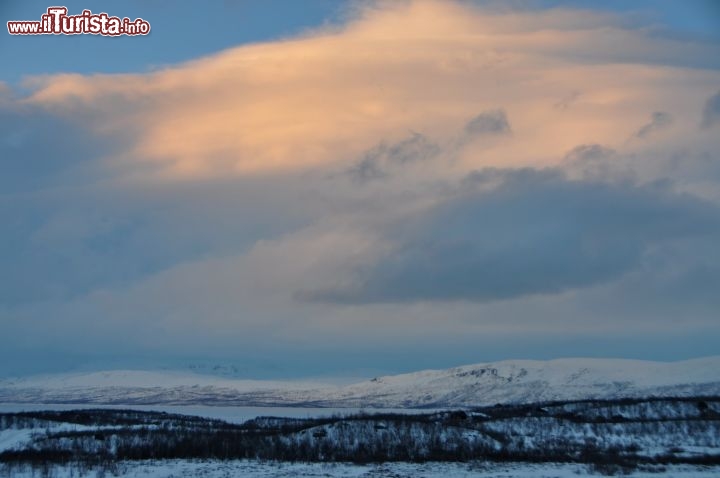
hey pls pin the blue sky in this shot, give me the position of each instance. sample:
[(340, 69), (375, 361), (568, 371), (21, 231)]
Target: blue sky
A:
[(181, 31), (326, 188)]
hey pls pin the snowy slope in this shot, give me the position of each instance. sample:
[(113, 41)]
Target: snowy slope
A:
[(472, 385), (532, 381)]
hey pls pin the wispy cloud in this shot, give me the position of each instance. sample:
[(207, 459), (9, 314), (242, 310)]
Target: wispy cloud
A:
[(381, 159), (488, 123), (711, 111), (658, 121)]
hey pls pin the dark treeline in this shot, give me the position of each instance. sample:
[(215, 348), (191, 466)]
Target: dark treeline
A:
[(611, 435)]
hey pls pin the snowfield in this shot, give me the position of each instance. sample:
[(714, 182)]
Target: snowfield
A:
[(638, 436), (515, 381), (256, 469)]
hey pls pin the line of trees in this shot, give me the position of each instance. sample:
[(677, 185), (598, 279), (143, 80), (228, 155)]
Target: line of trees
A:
[(611, 436)]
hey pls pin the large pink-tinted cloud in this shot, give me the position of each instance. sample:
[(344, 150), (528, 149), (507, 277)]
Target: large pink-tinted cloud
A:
[(428, 66)]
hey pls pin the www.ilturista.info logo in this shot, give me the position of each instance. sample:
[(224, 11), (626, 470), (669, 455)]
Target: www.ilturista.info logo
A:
[(57, 22)]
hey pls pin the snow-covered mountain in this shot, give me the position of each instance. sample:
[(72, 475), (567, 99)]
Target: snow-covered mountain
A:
[(518, 381), (514, 381)]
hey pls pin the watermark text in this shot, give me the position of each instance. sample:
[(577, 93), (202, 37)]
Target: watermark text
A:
[(57, 22)]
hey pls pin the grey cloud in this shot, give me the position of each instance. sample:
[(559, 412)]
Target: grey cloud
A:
[(589, 152), (367, 169), (701, 166), (596, 162), (535, 233), (382, 160), (567, 101), (414, 148), (487, 123), (65, 244), (38, 149), (658, 120), (711, 111), (378, 161)]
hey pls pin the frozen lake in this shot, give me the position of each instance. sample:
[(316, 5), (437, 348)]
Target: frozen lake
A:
[(229, 414)]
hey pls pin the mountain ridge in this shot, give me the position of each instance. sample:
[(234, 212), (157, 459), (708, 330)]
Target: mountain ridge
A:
[(481, 384)]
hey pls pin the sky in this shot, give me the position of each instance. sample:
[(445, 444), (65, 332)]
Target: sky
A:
[(328, 188)]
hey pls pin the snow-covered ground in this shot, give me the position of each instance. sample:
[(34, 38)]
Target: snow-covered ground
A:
[(11, 439), (514, 381), (611, 434), (256, 469)]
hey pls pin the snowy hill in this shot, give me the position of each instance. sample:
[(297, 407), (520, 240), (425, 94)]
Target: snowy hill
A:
[(519, 381), (515, 381)]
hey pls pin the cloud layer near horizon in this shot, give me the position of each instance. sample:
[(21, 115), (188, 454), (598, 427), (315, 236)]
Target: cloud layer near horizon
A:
[(426, 171)]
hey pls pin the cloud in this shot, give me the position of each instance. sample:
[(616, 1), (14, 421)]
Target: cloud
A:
[(415, 148), (589, 153), (533, 232), (567, 101), (377, 162), (488, 123), (659, 120), (325, 98), (595, 162), (367, 169), (711, 111), (385, 159), (77, 237), (39, 149), (199, 202)]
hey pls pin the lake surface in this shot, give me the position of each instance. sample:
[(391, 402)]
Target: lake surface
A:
[(229, 414)]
